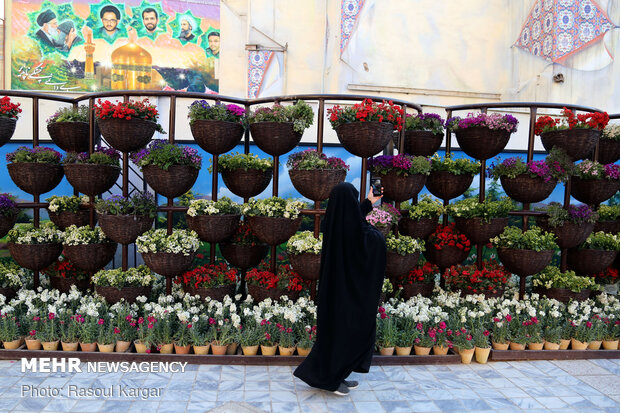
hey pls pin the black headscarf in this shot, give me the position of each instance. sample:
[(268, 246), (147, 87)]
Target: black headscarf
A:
[(352, 271)]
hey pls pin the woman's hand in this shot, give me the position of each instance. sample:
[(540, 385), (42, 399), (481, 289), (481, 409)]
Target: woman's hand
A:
[(373, 198)]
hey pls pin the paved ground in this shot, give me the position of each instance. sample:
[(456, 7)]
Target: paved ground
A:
[(557, 386)]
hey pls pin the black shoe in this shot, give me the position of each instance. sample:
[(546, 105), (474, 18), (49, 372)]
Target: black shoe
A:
[(343, 390), (351, 384)]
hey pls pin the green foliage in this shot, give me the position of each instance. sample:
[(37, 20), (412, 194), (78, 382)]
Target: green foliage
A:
[(223, 206), (70, 114), (47, 233), (404, 245), (140, 276), (426, 207), (552, 277), (273, 207), (460, 166), (601, 241), (471, 208), (140, 203), (58, 204), (85, 235), (300, 114), (201, 110), (533, 239), (609, 212), (235, 160), (40, 154)]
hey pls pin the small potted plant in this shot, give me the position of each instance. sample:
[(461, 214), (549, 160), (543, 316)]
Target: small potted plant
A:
[(198, 336), (563, 286), (10, 332), (420, 280), (116, 284), (449, 177), (106, 338), (210, 280), (552, 335), (278, 129), (49, 332), (163, 333), (88, 248), (69, 128), (598, 332), (123, 219), (314, 174), (489, 280), (306, 336), (609, 144), (12, 278), (386, 333), (216, 128), (482, 345), (419, 220), (94, 173), (570, 225), (608, 219), (213, 221), (464, 342), (500, 332), (268, 343), (402, 255), (168, 168), (224, 334), (69, 330), (35, 248), (525, 252), (246, 175), (383, 218), (168, 255), (595, 254), (286, 340), (576, 134), (611, 334), (125, 329), (249, 339), (304, 253), (89, 331), (9, 113), (65, 211), (582, 333), (127, 126), (244, 249), (422, 342), (63, 274), (145, 334), (402, 176), (35, 170), (594, 183), (423, 133), (365, 128), (182, 338), (263, 284), (447, 246), (482, 136), (406, 334), (8, 213), (274, 220), (481, 221)]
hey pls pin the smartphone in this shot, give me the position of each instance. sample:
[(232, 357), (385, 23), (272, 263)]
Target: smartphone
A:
[(376, 186)]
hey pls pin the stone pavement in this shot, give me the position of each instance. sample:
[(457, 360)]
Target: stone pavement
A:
[(536, 386)]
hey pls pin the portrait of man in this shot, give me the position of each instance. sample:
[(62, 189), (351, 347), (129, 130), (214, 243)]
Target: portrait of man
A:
[(214, 44), (150, 19), (187, 27), (110, 18), (50, 35)]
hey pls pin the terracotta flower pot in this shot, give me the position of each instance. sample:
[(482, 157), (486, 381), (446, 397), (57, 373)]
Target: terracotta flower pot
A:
[(316, 184), (218, 350), (516, 346), (595, 345), (446, 185), (466, 355), (422, 143), (402, 187), (286, 351), (440, 350), (216, 136), (564, 343), (50, 345), (275, 138), (527, 189), (69, 346), (12, 345), (182, 349), (578, 345), (500, 346), (140, 347), (88, 347), (268, 350), (577, 143), (171, 183), (421, 228), (403, 351), (587, 261), (569, 234), (535, 346), (610, 344), (481, 142), (122, 346), (105, 348), (303, 351), (201, 350), (166, 348), (231, 349), (482, 355), (247, 183), (551, 346), (33, 344), (422, 351), (249, 350), (214, 228), (365, 139), (386, 351)]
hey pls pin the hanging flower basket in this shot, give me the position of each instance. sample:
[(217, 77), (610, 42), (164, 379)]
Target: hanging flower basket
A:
[(273, 230), (7, 128), (216, 293), (70, 136), (316, 184), (524, 262), (445, 257), (65, 219), (174, 182), (481, 142), (402, 187), (421, 228), (35, 178), (35, 257), (6, 223), (590, 261), (91, 179), (411, 290), (275, 138), (569, 234), (479, 231), (593, 191), (307, 265), (608, 151), (63, 284), (243, 256), (213, 228), (577, 143), (168, 264), (446, 185), (247, 183), (113, 295), (563, 295), (90, 257), (398, 266), (422, 143), (124, 229), (216, 136), (526, 189), (261, 293), (365, 139), (611, 227), (127, 135)]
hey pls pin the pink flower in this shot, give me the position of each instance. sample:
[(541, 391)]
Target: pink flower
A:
[(442, 325), (101, 321), (128, 318), (150, 325), (117, 330), (51, 316), (383, 316), (419, 326), (33, 332), (588, 324), (508, 318), (486, 333), (189, 326), (381, 310), (211, 320)]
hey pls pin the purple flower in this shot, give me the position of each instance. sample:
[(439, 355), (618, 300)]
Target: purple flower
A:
[(8, 207)]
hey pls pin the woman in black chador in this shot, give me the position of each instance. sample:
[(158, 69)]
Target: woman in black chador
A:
[(352, 270)]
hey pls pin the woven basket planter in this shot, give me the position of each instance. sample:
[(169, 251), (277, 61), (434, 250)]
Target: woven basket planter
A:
[(6, 223), (446, 185), (9, 293), (70, 136), (593, 191), (398, 266), (611, 227), (35, 257), (316, 184), (587, 261), (242, 256), (127, 135), (214, 228), (65, 219), (411, 290), (168, 264), (562, 294), (113, 295), (421, 228), (526, 189), (272, 230), (216, 136), (90, 257), (524, 262), (422, 143), (365, 139), (174, 182), (481, 142), (63, 284), (124, 229), (247, 184), (608, 151), (92, 179), (7, 128), (569, 235), (275, 138), (216, 293), (384, 230), (446, 256), (478, 231), (307, 265), (35, 178), (577, 143), (402, 187), (261, 293)]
